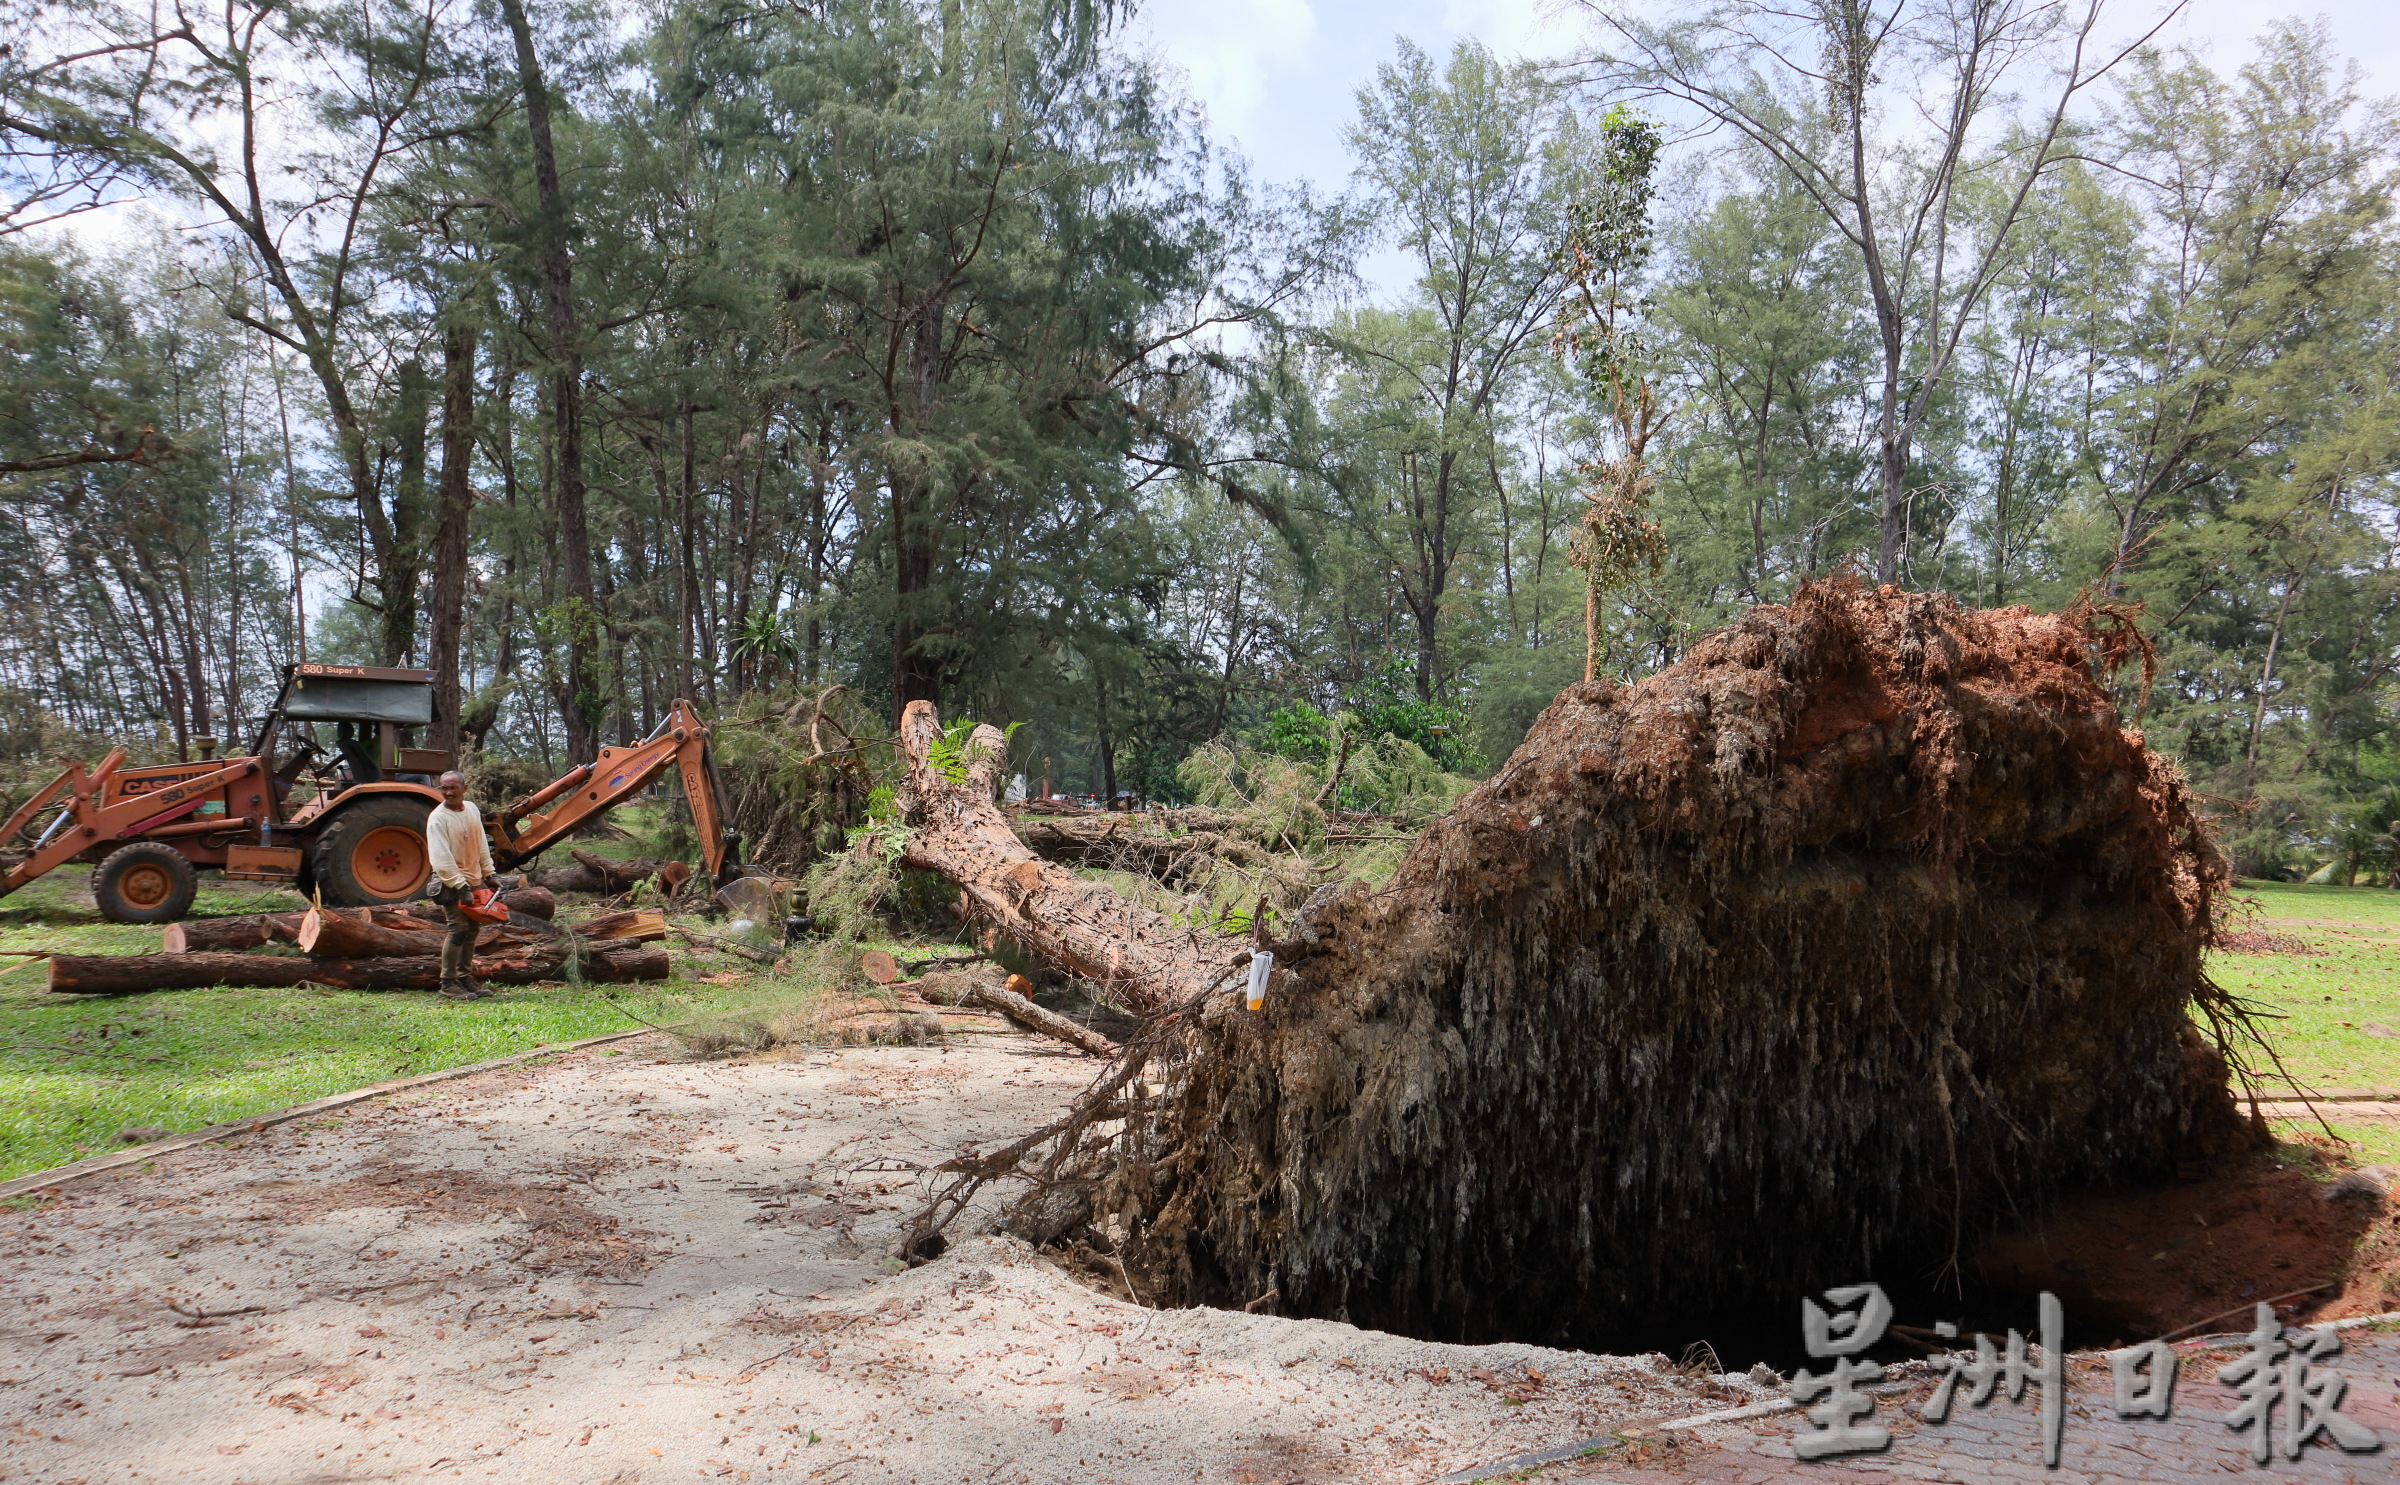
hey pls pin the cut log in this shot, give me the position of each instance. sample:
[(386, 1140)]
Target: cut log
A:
[(533, 902), (126, 974), (350, 933), (1140, 959), (646, 925), (224, 935), (426, 915)]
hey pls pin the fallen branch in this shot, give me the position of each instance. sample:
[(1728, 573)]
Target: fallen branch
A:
[(1012, 1003)]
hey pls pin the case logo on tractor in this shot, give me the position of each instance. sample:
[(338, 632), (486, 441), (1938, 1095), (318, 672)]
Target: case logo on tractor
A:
[(155, 782)]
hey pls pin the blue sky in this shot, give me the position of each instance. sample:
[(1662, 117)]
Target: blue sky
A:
[(1279, 77)]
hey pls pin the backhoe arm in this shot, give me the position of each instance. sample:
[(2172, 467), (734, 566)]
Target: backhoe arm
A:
[(85, 822), (550, 814)]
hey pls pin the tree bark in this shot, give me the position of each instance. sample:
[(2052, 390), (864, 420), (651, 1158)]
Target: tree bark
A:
[(213, 935), (126, 974), (405, 566), (595, 874), (1142, 960), (454, 507), (351, 933), (581, 704)]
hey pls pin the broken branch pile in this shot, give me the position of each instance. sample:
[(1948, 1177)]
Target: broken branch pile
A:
[(1792, 965)]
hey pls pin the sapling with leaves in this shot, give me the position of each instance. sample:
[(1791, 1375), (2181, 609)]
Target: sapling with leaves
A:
[(1617, 545)]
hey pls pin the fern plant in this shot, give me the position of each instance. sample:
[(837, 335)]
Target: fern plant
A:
[(953, 749)]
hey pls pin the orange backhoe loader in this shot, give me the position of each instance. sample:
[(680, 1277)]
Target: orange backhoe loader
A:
[(348, 825)]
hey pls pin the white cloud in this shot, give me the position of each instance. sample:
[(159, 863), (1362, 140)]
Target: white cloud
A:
[(1540, 29), (1234, 52)]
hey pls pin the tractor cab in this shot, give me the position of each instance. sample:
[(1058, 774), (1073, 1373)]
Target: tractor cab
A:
[(371, 707), (323, 799)]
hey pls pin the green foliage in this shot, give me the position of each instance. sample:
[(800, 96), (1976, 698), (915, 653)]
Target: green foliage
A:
[(954, 749), (1283, 799), (789, 799), (1388, 706), (1299, 732), (903, 330), (846, 891)]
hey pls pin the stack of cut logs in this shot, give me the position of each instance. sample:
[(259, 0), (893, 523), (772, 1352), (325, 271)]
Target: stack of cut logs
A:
[(384, 948)]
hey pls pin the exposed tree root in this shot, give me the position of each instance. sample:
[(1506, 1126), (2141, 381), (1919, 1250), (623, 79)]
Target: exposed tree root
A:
[(1861, 925)]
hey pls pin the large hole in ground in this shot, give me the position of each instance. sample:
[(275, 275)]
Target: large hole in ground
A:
[(2191, 1256)]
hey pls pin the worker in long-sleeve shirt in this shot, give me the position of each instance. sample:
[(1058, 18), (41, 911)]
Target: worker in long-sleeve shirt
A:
[(462, 861)]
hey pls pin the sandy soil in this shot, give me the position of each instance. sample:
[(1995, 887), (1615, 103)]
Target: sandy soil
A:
[(628, 1268)]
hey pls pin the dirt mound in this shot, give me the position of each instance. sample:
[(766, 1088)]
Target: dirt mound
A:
[(1792, 965)]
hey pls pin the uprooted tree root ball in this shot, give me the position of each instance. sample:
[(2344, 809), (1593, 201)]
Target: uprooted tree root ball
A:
[(1797, 963)]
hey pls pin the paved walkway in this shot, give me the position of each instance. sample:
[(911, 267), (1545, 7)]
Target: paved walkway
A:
[(2002, 1442)]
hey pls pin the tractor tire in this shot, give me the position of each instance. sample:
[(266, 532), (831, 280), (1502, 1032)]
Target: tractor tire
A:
[(146, 882), (372, 852)]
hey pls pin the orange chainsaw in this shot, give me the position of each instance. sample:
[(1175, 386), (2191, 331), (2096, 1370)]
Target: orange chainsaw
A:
[(483, 904)]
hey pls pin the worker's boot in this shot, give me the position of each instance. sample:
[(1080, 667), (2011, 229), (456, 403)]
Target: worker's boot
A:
[(458, 958)]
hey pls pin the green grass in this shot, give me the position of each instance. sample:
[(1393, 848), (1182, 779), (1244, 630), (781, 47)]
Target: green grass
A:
[(2324, 1002), (74, 1071)]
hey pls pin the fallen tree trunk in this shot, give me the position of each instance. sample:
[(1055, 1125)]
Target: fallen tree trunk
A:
[(594, 874), (1143, 961), (126, 974), (1797, 963), (224, 935), (984, 992)]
